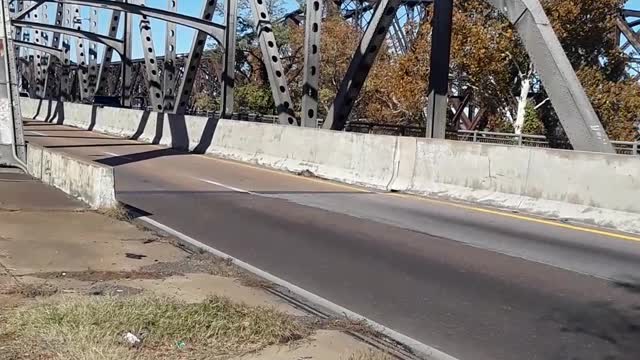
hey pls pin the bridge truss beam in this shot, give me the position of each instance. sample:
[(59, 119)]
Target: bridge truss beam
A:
[(381, 21)]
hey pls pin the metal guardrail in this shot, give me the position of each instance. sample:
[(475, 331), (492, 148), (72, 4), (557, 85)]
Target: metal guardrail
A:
[(622, 147)]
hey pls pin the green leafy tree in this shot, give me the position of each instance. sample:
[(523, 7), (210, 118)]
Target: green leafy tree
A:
[(254, 98)]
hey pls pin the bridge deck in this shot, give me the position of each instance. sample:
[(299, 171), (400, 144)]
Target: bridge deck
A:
[(473, 283)]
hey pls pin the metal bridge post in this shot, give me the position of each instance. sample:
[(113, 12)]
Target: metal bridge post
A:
[(151, 63), (271, 56), (169, 66), (81, 56), (193, 62), (53, 84), (229, 62), (42, 38), (93, 54), (311, 80), (17, 30), (65, 82), (12, 145), (126, 60), (361, 64), (102, 85), (439, 75)]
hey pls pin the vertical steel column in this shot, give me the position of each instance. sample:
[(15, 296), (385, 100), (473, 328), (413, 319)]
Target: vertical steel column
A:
[(81, 56), (10, 113), (93, 53), (400, 36), (361, 64), (311, 79), (126, 60), (17, 30), (151, 64), (51, 84), (229, 64), (439, 74), (169, 66), (65, 82), (27, 35), (271, 57), (101, 85), (193, 62), (41, 38)]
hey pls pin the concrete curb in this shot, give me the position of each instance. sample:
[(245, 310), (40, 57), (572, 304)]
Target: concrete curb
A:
[(90, 182)]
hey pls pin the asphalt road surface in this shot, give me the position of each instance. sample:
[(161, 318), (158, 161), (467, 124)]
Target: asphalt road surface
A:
[(475, 283)]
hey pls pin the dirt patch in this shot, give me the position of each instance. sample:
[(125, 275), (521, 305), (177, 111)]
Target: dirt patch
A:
[(30, 291), (106, 289), (196, 263), (95, 276)]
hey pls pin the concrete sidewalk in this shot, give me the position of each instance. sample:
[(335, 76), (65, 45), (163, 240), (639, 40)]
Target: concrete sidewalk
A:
[(52, 246)]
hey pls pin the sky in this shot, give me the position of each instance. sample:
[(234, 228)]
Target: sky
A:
[(184, 35)]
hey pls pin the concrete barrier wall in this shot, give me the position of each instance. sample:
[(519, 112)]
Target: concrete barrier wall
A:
[(90, 182), (594, 188)]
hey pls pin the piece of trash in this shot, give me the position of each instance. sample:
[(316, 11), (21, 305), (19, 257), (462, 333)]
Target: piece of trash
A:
[(64, 274), (135, 256), (132, 339), (180, 344)]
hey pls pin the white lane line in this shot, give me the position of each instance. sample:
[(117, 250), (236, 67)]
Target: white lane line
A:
[(117, 155), (232, 188), (37, 133), (421, 349)]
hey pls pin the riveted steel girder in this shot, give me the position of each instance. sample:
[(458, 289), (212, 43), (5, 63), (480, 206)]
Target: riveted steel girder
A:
[(576, 114), (101, 85), (361, 63), (169, 70), (229, 64), (271, 58), (46, 49), (116, 44), (205, 25), (311, 78), (193, 62), (151, 63)]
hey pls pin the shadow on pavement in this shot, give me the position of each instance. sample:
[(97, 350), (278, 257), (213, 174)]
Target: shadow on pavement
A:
[(616, 326)]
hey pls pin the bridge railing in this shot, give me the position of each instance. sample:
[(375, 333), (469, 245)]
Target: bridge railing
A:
[(622, 147)]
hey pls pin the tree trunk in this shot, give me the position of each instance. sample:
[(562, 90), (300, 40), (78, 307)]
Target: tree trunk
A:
[(525, 87)]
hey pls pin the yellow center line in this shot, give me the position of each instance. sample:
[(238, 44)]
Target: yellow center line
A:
[(440, 202), (522, 217)]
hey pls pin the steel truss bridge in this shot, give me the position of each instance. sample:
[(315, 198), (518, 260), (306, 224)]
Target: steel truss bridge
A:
[(39, 47)]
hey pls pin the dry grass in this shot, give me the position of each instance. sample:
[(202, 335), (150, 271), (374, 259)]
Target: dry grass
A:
[(348, 325), (93, 328), (118, 212), (371, 355), (29, 290)]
